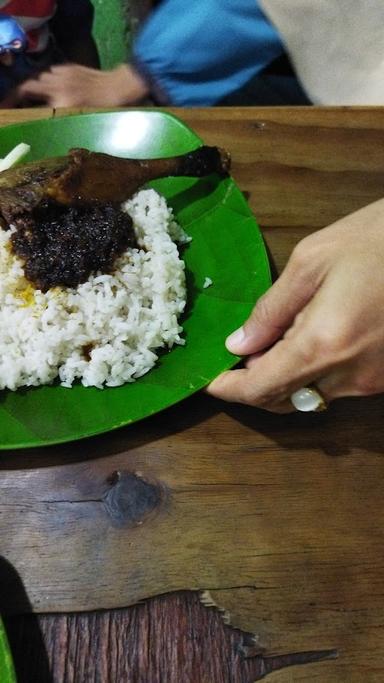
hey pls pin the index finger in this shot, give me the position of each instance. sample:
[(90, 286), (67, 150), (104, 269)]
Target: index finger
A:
[(271, 377)]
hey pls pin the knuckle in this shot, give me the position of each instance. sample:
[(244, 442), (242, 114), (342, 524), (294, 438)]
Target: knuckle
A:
[(302, 254), (302, 264), (299, 255), (306, 350), (332, 342), (262, 312), (260, 396)]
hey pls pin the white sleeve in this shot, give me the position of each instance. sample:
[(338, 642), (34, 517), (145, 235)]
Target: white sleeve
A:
[(336, 46)]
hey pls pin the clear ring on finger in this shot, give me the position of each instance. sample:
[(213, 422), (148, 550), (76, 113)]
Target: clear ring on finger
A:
[(308, 399)]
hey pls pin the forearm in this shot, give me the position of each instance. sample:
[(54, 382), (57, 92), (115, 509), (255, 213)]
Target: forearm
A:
[(129, 84), (74, 85)]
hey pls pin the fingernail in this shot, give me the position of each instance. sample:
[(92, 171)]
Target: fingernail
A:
[(232, 342)]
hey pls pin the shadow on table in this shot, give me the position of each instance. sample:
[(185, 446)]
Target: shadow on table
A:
[(347, 426), (23, 631), (173, 420)]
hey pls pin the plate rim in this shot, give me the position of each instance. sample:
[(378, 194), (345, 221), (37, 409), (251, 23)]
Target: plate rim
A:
[(6, 656), (38, 442)]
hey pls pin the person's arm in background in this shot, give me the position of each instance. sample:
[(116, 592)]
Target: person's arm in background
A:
[(80, 82), (185, 54)]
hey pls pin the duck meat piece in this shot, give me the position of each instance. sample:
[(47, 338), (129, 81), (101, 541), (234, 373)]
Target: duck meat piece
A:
[(84, 177), (67, 210)]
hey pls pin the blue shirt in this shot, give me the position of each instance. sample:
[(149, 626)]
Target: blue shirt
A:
[(195, 53)]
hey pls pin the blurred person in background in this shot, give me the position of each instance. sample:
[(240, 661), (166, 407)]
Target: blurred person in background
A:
[(223, 52), (35, 34), (200, 54)]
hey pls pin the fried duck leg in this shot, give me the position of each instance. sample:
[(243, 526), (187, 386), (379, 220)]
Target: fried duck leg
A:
[(85, 177)]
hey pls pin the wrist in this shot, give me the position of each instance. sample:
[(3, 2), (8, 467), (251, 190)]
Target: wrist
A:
[(131, 87)]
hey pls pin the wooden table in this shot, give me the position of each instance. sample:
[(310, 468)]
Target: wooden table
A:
[(277, 520)]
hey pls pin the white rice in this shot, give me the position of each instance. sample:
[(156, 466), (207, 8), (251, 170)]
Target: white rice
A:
[(106, 331)]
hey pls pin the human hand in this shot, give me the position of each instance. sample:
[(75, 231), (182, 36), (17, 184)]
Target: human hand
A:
[(73, 85), (321, 322)]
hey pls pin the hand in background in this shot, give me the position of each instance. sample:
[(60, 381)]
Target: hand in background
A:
[(73, 85), (322, 321)]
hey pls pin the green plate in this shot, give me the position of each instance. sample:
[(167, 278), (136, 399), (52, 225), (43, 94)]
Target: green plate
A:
[(7, 672), (227, 247)]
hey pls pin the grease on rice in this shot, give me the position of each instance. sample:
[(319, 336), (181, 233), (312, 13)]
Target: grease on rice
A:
[(106, 331)]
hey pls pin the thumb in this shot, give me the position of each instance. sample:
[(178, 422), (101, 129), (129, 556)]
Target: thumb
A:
[(275, 311)]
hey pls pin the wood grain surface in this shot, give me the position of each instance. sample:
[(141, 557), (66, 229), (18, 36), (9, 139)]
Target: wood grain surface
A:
[(280, 518)]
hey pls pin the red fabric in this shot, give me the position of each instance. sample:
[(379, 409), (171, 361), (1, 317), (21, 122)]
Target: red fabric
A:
[(26, 8), (33, 36), (28, 13)]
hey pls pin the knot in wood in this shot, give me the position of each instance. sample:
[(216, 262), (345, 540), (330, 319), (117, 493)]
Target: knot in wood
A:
[(259, 125), (131, 498)]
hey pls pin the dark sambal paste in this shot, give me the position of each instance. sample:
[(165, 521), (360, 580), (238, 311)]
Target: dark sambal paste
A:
[(64, 245)]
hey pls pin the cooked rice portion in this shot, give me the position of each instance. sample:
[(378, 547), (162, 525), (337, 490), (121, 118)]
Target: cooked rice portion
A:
[(106, 331)]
